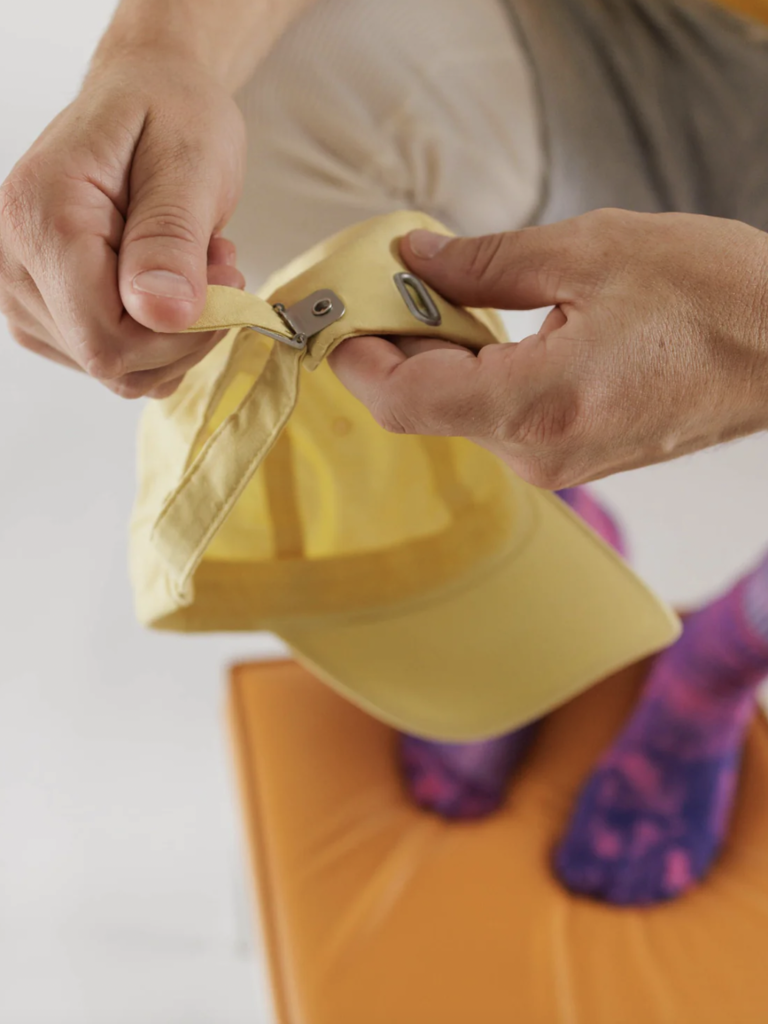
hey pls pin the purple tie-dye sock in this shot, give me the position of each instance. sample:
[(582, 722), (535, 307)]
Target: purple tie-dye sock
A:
[(653, 816), (469, 780), (462, 780)]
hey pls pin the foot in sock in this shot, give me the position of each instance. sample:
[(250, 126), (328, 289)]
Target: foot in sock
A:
[(653, 816), (461, 780), (469, 780)]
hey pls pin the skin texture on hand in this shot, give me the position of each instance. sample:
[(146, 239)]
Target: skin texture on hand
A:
[(110, 226), (139, 174), (657, 345)]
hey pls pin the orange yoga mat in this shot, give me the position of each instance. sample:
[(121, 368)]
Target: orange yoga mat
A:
[(378, 913)]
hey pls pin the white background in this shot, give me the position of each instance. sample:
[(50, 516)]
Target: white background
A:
[(122, 892)]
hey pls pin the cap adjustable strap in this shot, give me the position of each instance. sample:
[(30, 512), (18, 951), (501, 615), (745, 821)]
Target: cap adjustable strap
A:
[(199, 504), (207, 492)]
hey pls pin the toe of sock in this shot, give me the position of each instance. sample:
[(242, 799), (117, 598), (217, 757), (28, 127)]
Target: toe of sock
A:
[(663, 874)]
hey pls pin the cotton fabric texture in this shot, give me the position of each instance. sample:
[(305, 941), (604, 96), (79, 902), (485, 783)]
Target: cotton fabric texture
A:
[(418, 576)]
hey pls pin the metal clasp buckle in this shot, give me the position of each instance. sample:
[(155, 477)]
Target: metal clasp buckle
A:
[(306, 318), (420, 303)]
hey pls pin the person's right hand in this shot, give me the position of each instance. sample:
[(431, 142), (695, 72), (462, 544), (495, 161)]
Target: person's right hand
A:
[(657, 345), (109, 225)]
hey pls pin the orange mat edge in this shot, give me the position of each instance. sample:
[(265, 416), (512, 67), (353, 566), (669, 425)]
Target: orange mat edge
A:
[(262, 897)]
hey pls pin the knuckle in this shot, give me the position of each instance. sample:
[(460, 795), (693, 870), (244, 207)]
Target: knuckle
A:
[(145, 384), (22, 338), (608, 219), (451, 415), (605, 234), (7, 299), (546, 473), (16, 204), (124, 387), (543, 438), (65, 222), (25, 215), (169, 221), (99, 360), (392, 421), (547, 422), (166, 145), (14, 280), (188, 151), (167, 388), (401, 407), (483, 258), (161, 391), (390, 412)]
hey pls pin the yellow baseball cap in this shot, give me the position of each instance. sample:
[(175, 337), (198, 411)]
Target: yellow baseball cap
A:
[(417, 576)]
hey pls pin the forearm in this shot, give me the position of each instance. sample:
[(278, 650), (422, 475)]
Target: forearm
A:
[(228, 38)]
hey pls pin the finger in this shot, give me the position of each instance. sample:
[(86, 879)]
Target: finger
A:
[(109, 344), (32, 343), (36, 333), (554, 320), (178, 199), (221, 251), (24, 309), (219, 273), (361, 363), (373, 357), (68, 247), (222, 257), (143, 382), (165, 390), (527, 269), (416, 346), (82, 298), (444, 390)]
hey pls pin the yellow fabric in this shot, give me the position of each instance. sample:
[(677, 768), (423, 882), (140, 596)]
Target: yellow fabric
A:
[(360, 263), (377, 913), (418, 576)]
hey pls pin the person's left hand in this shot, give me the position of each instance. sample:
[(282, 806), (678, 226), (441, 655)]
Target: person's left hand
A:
[(657, 346)]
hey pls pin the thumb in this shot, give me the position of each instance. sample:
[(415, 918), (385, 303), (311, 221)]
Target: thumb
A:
[(523, 269), (173, 212)]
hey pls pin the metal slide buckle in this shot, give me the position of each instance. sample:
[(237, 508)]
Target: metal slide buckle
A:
[(305, 318), (420, 303)]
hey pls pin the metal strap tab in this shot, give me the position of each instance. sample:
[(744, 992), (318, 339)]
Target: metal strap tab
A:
[(306, 318)]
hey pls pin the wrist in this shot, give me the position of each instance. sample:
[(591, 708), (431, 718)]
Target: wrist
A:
[(224, 41)]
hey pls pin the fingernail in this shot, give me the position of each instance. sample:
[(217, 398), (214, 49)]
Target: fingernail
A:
[(164, 284), (426, 243)]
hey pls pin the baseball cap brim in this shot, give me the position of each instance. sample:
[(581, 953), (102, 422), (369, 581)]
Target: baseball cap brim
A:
[(515, 637)]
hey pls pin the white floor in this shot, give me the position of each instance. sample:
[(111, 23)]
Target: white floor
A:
[(122, 892)]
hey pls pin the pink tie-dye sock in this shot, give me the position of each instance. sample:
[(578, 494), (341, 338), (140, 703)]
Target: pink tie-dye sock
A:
[(653, 816), (469, 780)]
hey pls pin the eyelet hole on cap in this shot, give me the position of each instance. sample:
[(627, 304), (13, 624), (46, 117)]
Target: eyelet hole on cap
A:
[(420, 303)]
